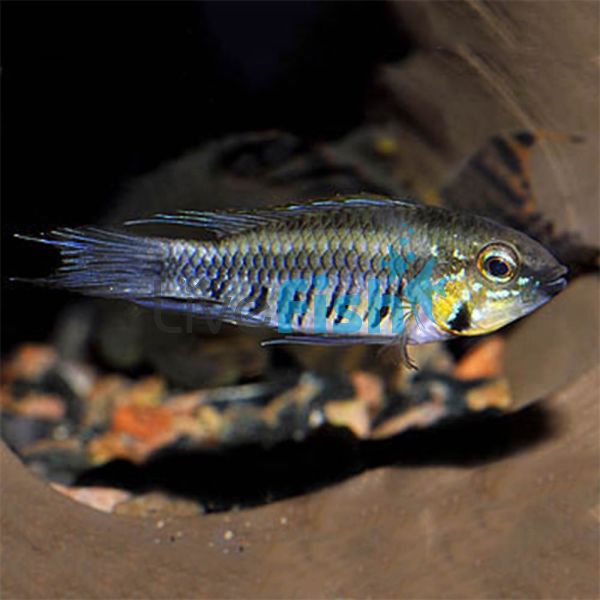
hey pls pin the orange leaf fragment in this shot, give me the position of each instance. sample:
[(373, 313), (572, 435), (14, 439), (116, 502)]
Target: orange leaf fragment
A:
[(142, 422), (41, 406), (30, 361), (485, 360)]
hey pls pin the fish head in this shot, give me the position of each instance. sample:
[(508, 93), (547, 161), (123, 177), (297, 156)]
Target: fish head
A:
[(493, 276)]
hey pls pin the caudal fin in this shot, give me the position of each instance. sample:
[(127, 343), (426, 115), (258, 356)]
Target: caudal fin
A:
[(105, 263)]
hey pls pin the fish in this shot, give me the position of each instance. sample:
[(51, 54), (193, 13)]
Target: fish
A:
[(368, 270)]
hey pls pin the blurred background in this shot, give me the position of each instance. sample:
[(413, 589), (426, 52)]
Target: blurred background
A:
[(473, 477)]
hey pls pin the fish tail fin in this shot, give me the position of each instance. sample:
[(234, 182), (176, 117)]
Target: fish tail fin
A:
[(105, 263)]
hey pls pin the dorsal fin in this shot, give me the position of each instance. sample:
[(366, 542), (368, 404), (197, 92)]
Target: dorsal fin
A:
[(219, 223), (230, 222)]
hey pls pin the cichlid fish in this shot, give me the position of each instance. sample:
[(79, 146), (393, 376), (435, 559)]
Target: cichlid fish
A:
[(354, 270)]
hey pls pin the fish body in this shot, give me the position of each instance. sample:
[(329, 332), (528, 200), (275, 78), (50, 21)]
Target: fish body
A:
[(348, 270)]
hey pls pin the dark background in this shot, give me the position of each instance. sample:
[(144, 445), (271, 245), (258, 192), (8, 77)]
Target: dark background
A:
[(94, 94)]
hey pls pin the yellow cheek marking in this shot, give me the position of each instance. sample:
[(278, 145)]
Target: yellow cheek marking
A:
[(443, 306), (456, 292)]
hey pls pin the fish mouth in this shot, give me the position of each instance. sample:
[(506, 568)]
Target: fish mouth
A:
[(556, 282)]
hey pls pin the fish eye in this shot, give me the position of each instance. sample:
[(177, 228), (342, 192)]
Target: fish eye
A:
[(498, 262)]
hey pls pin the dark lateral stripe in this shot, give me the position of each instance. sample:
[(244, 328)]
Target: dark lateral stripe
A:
[(384, 311), (341, 310), (339, 317), (370, 303), (507, 155), (334, 295), (216, 288), (299, 315), (260, 303), (309, 298), (400, 287)]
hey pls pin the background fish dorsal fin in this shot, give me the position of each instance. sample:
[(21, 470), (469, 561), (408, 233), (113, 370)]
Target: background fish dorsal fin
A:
[(230, 222), (496, 180)]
